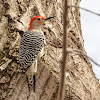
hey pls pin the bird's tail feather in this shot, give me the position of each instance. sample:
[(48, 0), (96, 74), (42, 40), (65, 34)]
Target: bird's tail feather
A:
[(34, 78), (31, 79), (31, 82)]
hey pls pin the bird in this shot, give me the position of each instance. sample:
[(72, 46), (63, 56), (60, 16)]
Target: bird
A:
[(31, 48)]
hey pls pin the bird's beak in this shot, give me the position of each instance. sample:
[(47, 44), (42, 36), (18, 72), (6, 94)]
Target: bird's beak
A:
[(48, 18)]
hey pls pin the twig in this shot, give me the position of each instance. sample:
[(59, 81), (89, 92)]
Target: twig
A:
[(62, 82), (84, 9), (81, 53)]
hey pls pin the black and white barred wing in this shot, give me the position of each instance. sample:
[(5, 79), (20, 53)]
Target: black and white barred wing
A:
[(31, 44)]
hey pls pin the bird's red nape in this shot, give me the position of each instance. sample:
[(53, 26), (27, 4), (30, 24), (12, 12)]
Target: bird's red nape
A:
[(30, 25)]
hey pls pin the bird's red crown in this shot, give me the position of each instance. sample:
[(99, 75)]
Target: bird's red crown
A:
[(30, 25)]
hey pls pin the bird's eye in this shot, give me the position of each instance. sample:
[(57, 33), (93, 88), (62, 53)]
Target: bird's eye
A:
[(38, 19)]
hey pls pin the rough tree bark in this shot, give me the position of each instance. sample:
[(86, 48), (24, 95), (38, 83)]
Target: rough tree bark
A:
[(80, 84)]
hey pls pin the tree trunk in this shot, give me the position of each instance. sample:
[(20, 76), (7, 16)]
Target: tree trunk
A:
[(15, 15)]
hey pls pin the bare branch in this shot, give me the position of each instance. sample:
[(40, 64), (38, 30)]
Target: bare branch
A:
[(81, 53), (62, 82), (84, 9)]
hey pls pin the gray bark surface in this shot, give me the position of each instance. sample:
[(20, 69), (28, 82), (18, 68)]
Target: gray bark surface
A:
[(80, 84)]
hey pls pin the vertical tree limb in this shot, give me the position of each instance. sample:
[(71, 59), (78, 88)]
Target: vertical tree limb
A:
[(61, 89)]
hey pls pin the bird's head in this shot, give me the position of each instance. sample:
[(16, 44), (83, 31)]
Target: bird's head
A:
[(37, 21)]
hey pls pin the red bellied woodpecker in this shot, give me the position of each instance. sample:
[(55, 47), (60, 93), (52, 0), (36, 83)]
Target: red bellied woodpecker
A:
[(31, 47)]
